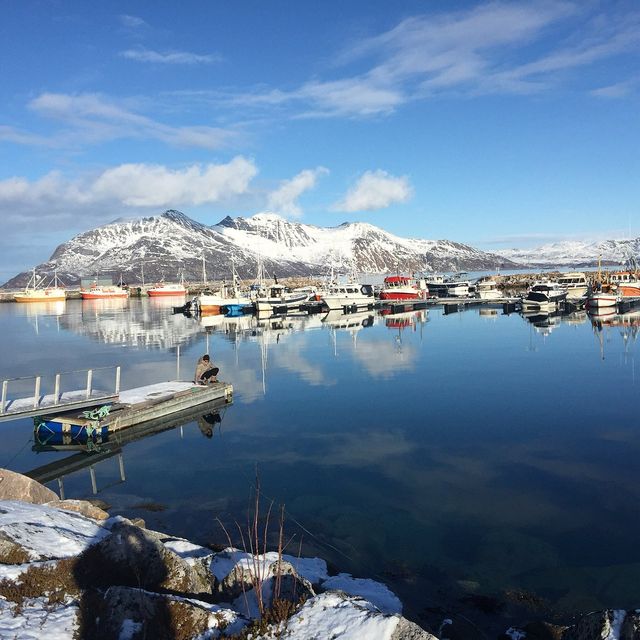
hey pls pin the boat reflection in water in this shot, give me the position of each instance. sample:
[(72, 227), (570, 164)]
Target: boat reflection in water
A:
[(89, 450), (544, 323)]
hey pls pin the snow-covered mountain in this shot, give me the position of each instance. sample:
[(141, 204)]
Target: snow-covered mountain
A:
[(576, 253), (171, 243)]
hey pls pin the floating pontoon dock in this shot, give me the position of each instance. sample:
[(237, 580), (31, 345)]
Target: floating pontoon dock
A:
[(133, 407)]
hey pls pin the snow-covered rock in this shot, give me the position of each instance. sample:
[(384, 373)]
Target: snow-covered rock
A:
[(168, 244), (81, 577), (375, 592)]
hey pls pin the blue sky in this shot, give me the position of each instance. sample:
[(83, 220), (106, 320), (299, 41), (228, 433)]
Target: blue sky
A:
[(497, 124)]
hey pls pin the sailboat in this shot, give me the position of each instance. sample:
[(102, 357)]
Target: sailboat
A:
[(34, 293)]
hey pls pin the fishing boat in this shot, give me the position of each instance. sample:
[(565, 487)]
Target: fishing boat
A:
[(104, 292), (35, 293), (601, 297), (544, 294), (403, 288), (626, 282), (168, 289), (355, 295)]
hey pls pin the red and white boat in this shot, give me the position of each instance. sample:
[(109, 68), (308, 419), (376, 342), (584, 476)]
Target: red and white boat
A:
[(627, 283), (403, 288), (104, 292), (164, 289)]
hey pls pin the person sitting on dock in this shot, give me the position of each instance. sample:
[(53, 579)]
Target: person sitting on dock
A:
[(205, 371)]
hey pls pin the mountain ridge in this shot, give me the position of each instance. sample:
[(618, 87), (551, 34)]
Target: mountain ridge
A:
[(171, 243)]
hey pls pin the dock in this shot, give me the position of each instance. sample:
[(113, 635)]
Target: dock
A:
[(15, 405), (133, 407)]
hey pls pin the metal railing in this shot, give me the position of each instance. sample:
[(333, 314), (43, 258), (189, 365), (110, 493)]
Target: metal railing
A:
[(56, 399)]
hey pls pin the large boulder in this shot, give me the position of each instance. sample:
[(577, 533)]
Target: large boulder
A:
[(131, 556), (15, 486), (136, 614)]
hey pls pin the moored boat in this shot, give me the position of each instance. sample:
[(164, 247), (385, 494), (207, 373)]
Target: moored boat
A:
[(167, 289), (340, 296), (544, 294), (452, 286), (403, 288), (104, 292), (488, 289), (282, 297), (34, 293), (626, 282), (602, 298), (575, 284)]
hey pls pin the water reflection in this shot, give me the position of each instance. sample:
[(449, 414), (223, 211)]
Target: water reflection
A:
[(90, 450), (135, 323), (413, 440)]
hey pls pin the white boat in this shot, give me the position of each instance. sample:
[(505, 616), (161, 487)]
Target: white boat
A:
[(575, 284), (452, 286), (356, 295), (38, 293), (544, 294), (282, 297), (602, 298), (488, 289)]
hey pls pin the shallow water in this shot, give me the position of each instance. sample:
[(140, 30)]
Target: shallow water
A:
[(446, 454)]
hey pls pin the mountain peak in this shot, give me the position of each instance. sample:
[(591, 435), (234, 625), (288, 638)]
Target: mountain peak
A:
[(267, 216)]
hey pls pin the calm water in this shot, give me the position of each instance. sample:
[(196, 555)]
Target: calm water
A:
[(469, 452)]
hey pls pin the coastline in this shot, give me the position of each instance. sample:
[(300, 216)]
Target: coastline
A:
[(69, 570)]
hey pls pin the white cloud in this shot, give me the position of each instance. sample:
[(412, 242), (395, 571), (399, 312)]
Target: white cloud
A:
[(495, 47), (375, 190), (131, 22), (617, 90), (284, 199), (128, 186), (91, 118), (143, 185), (170, 57)]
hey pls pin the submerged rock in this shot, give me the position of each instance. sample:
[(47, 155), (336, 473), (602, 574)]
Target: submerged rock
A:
[(84, 507)]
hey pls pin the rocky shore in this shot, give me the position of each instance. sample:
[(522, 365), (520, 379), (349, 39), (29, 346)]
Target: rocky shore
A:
[(70, 571)]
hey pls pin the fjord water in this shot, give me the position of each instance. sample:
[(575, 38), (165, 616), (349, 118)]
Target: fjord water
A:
[(445, 454)]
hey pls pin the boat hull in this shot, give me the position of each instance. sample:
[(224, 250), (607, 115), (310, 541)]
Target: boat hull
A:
[(602, 300), (103, 296), (155, 293), (334, 303), (43, 298), (402, 295)]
